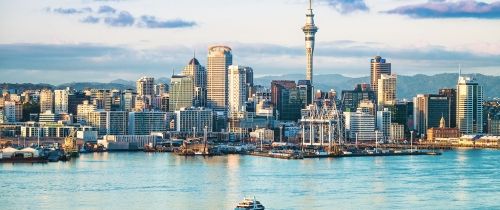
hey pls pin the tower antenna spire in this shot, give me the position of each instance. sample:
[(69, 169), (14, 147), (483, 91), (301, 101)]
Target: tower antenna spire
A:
[(459, 70), (310, 4)]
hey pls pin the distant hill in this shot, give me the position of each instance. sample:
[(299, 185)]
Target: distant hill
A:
[(408, 86), (96, 85)]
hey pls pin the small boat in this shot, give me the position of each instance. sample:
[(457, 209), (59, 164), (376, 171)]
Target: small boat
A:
[(249, 204)]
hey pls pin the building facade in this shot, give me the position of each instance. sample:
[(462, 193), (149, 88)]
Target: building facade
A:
[(181, 92), (386, 92), (378, 67), (469, 106), (237, 89), (219, 59)]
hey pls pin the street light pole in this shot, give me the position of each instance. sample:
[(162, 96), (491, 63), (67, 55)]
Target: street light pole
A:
[(281, 133), (411, 142)]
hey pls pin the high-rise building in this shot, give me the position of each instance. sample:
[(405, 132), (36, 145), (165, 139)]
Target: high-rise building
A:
[(144, 123), (402, 114), (61, 101), (198, 118), (451, 93), (384, 123), (10, 111), (469, 106), (237, 89), (83, 112), (109, 122), (360, 125), (75, 98), (428, 110), (145, 86), (199, 76), (352, 98), (127, 101), (286, 98), (46, 101), (306, 89), (181, 92), (310, 30), (379, 66), (386, 93), (219, 59), (161, 89), (101, 98)]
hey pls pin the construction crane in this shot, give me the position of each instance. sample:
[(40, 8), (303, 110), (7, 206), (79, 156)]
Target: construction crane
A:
[(70, 144)]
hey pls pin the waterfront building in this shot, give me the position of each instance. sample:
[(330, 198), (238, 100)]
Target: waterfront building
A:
[(469, 106), (219, 59), (310, 30), (352, 98), (61, 101), (428, 110), (494, 125), (360, 125), (181, 92), (144, 123), (46, 100), (127, 142), (145, 86), (386, 92), (451, 93), (378, 67), (197, 118), (402, 113), (397, 132), (237, 89), (384, 123), (442, 131), (109, 122), (262, 134), (199, 76)]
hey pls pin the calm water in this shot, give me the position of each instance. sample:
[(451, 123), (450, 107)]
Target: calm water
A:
[(456, 180)]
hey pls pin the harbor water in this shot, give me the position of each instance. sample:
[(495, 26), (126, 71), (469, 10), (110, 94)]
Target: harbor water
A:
[(458, 179)]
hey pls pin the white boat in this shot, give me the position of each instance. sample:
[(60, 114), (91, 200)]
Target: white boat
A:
[(249, 204)]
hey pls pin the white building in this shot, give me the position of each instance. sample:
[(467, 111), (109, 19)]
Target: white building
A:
[(361, 125), (469, 106), (61, 101), (263, 134), (109, 122), (384, 122), (397, 132), (10, 111), (83, 112), (237, 88), (144, 123), (198, 118)]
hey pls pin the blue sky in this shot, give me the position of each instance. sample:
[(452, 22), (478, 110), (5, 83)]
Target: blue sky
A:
[(59, 41)]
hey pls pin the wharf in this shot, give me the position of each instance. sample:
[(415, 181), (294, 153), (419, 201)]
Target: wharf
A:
[(343, 155)]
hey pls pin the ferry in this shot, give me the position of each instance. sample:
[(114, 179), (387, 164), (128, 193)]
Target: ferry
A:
[(249, 204)]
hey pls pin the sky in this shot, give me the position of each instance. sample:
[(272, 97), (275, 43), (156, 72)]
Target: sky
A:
[(60, 41)]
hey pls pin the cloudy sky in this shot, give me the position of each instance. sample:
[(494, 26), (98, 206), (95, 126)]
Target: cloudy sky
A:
[(59, 41)]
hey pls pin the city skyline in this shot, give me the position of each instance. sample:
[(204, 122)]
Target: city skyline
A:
[(79, 48)]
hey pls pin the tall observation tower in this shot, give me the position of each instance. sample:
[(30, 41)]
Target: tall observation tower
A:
[(310, 31)]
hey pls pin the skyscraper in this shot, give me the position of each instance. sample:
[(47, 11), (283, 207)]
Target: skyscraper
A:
[(352, 98), (181, 92), (378, 67), (219, 59), (310, 32), (46, 101), (145, 86), (428, 110), (386, 93), (199, 76), (469, 106), (451, 93), (237, 88), (61, 101)]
